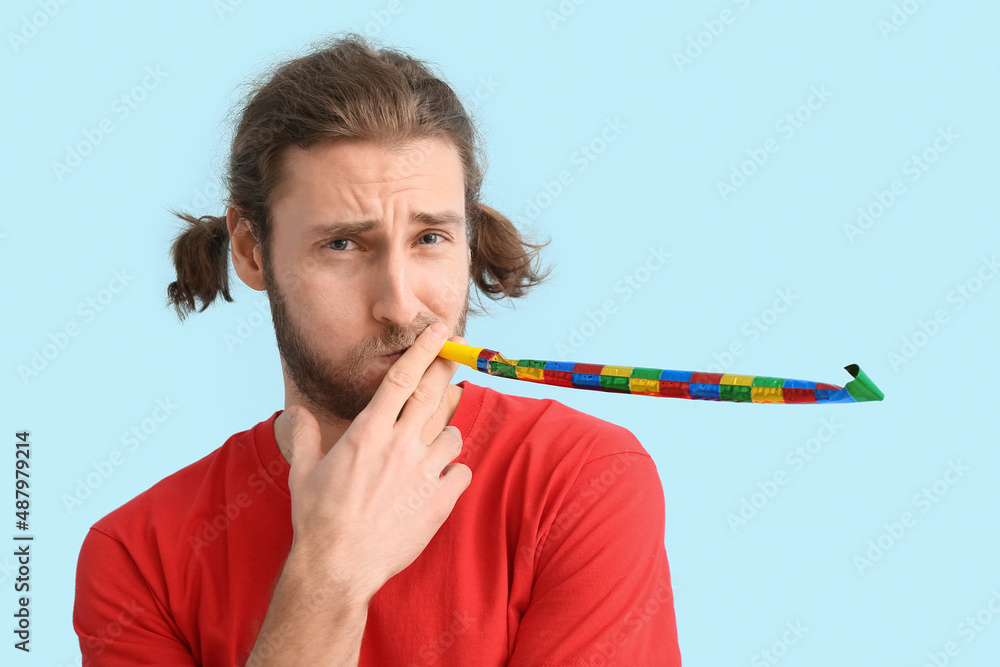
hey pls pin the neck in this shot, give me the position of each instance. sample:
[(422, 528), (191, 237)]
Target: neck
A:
[(332, 432)]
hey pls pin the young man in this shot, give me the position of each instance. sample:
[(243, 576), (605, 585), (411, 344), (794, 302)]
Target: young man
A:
[(385, 516)]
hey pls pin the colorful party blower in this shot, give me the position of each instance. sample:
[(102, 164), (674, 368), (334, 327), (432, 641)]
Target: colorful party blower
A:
[(666, 383)]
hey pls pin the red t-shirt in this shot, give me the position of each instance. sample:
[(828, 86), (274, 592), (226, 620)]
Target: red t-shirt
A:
[(554, 555)]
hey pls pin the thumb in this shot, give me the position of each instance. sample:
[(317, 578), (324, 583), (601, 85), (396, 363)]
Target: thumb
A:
[(306, 446)]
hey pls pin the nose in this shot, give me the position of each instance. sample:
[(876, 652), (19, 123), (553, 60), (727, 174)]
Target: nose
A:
[(394, 298)]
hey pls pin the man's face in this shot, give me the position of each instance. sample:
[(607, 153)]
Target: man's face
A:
[(368, 248)]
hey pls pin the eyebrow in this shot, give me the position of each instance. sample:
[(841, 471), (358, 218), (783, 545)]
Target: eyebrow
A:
[(353, 228)]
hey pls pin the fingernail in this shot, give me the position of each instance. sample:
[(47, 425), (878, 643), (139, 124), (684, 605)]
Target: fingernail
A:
[(439, 330)]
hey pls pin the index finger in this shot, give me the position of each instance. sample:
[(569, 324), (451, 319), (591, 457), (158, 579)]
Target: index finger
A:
[(402, 378)]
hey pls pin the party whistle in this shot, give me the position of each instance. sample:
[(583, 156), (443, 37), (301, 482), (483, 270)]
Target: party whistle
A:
[(665, 383)]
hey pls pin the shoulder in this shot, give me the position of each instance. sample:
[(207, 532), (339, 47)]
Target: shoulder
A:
[(548, 424), (161, 512)]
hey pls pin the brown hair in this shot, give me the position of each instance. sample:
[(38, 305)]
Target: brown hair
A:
[(345, 90)]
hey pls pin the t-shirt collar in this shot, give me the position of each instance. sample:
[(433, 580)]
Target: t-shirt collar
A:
[(276, 467)]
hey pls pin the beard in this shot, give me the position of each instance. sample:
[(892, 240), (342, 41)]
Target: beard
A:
[(339, 391)]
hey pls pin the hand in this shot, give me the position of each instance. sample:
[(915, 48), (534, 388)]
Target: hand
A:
[(352, 511)]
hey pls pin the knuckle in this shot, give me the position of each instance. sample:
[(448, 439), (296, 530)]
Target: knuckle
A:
[(462, 473), (399, 377), (422, 396), (451, 438), (363, 421), (361, 437)]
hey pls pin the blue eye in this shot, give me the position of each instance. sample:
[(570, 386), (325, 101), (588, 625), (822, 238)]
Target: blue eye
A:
[(426, 239), (338, 241)]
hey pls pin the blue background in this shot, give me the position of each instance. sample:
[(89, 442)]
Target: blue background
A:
[(544, 85)]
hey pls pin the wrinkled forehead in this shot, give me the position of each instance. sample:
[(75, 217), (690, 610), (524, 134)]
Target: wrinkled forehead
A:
[(368, 168), (351, 180), (346, 188)]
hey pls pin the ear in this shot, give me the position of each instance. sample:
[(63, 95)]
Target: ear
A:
[(245, 250)]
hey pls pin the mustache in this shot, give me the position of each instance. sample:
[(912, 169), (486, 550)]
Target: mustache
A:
[(393, 338)]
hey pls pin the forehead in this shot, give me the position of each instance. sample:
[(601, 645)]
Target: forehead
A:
[(350, 178)]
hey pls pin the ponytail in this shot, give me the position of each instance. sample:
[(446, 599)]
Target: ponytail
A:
[(201, 258), (504, 265)]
